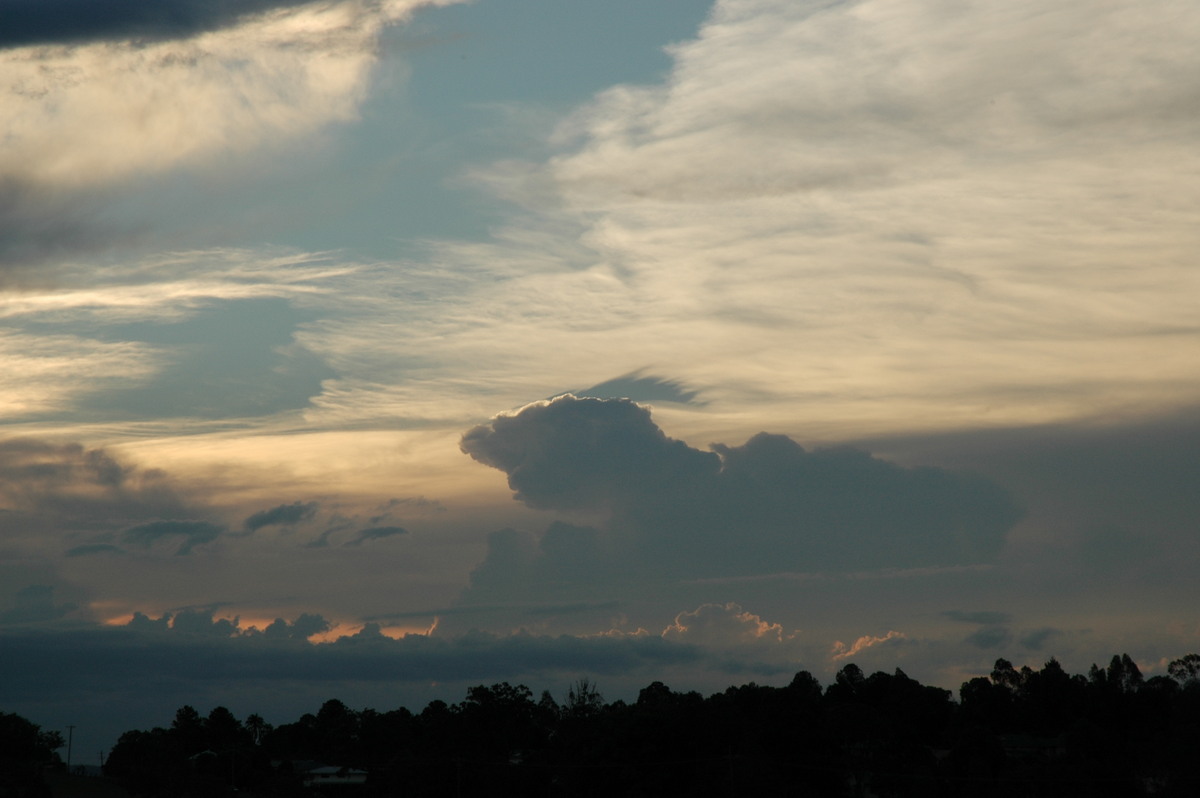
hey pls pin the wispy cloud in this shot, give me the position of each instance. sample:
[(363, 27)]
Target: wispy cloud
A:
[(188, 533), (281, 515), (901, 220), (107, 333), (896, 233), (723, 626), (375, 533), (843, 651), (204, 81)]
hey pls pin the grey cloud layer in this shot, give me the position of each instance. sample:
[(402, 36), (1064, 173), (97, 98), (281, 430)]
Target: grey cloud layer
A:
[(283, 515), (194, 646), (25, 22), (189, 533), (66, 487), (86, 502), (34, 604), (676, 512)]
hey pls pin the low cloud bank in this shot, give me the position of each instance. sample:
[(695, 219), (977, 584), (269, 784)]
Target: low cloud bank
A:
[(674, 512)]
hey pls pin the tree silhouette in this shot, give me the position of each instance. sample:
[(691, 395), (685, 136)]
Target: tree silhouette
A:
[(1021, 732), (1185, 669)]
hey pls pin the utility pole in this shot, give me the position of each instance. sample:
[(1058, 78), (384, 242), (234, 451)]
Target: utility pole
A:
[(70, 736)]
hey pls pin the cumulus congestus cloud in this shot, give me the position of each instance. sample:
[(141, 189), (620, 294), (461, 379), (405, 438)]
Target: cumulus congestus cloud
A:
[(585, 454), (672, 511)]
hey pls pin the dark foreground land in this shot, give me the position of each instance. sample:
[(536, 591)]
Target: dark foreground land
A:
[(1020, 732), (64, 785)]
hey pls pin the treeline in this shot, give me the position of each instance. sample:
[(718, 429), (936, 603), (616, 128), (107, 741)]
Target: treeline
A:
[(25, 753), (1019, 732)]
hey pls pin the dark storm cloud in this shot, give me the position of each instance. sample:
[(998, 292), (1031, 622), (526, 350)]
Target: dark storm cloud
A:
[(1115, 500), (375, 533), (35, 604), (193, 647), (26, 22), (566, 561), (282, 515), (201, 624), (302, 628), (189, 534), (767, 506)]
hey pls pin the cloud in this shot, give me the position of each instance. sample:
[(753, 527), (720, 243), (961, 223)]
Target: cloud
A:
[(584, 454), (993, 631), (640, 387), (671, 511), (412, 504), (567, 560), (37, 226), (842, 651), (66, 487), (304, 627), (1116, 551), (1035, 639), (1107, 501), (990, 637), (192, 533), (986, 617), (203, 82), (201, 623), (224, 91), (90, 549), (892, 227), (375, 533), (727, 625), (79, 21), (47, 373), (281, 515), (34, 604), (189, 336), (194, 645)]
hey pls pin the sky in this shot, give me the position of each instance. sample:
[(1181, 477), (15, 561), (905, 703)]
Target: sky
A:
[(372, 349)]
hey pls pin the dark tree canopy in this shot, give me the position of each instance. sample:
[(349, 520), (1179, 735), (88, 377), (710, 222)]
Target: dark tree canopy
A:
[(1020, 731)]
